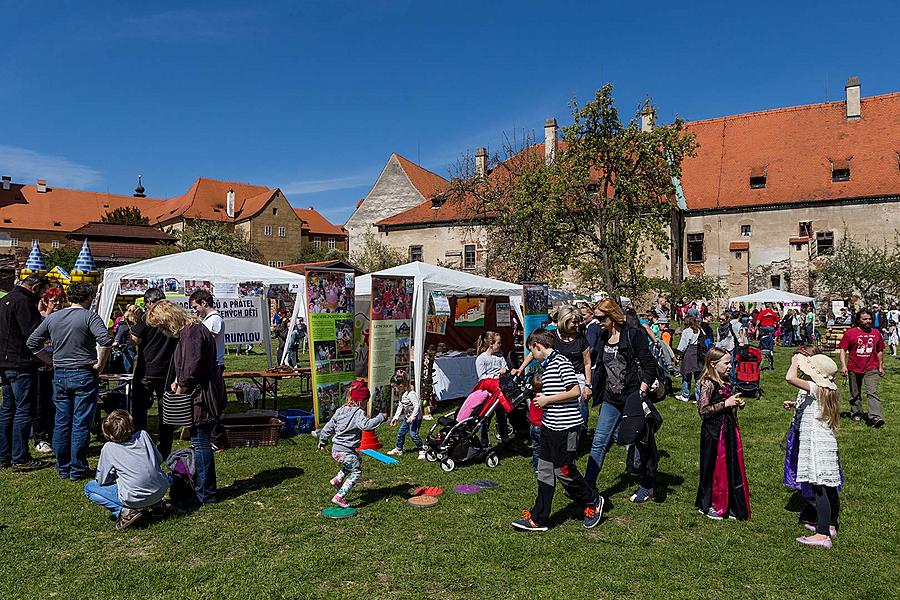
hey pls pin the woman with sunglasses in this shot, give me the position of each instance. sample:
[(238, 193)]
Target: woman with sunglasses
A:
[(624, 366)]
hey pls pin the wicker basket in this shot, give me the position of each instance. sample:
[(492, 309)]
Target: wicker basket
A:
[(248, 431)]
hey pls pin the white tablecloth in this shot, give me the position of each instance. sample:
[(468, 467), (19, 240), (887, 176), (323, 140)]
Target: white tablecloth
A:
[(454, 376)]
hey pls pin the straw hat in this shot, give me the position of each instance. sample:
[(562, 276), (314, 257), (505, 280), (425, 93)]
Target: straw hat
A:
[(820, 369)]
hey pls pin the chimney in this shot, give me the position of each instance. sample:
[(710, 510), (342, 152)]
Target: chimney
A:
[(853, 105), (481, 162), (42, 185), (6, 181), (550, 129), (648, 116), (229, 204)]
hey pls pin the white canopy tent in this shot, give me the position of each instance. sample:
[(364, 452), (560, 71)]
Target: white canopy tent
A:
[(201, 265), (431, 278), (774, 295)]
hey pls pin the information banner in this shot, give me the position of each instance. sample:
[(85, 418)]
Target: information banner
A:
[(503, 316), (243, 318), (329, 299), (389, 336), (536, 302)]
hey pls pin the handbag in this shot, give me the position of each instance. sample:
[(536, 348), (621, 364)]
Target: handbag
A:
[(177, 410)]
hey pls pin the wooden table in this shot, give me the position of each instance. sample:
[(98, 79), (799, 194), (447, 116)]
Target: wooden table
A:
[(262, 379)]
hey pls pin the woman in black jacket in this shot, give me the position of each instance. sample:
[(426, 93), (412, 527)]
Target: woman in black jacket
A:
[(625, 367)]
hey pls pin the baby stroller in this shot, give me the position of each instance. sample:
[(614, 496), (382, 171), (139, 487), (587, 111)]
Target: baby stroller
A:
[(746, 369), (454, 443)]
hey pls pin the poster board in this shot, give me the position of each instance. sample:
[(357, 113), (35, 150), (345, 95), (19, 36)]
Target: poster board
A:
[(469, 312), (535, 305), (438, 313), (330, 306), (390, 335)]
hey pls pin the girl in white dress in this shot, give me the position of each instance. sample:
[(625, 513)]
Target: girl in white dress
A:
[(817, 460)]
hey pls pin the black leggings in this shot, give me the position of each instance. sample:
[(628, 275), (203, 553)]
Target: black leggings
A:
[(828, 507)]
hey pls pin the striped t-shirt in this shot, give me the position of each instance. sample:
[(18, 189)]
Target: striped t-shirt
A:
[(557, 375)]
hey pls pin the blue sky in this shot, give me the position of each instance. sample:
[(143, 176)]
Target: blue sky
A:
[(313, 97)]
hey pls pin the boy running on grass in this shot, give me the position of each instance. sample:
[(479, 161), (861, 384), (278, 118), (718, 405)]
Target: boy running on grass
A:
[(560, 427)]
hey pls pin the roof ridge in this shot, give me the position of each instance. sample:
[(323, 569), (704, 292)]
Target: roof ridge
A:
[(786, 109), (417, 165)]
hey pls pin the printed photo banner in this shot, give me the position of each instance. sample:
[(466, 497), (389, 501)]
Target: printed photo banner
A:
[(469, 312), (438, 313), (389, 336), (330, 305), (536, 304)]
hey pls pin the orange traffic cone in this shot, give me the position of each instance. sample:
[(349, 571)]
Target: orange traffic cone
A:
[(369, 441)]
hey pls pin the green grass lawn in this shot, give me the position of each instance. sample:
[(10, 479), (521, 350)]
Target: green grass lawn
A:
[(265, 539)]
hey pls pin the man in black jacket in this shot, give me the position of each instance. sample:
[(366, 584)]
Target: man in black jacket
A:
[(19, 316)]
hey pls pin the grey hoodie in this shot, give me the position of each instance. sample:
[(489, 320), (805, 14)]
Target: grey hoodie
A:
[(347, 425)]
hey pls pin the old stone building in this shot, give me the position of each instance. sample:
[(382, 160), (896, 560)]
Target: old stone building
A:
[(762, 204), (401, 185), (260, 214)]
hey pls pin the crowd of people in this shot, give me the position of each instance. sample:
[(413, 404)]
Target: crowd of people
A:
[(618, 361), (55, 347)]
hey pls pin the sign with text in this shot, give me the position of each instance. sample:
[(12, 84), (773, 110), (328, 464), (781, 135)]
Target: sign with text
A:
[(535, 305), (390, 335), (329, 299)]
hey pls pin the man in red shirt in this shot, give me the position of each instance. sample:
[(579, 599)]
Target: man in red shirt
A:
[(767, 319), (865, 348)]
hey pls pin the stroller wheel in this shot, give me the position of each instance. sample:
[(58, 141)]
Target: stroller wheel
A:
[(431, 456), (492, 460), (448, 464)]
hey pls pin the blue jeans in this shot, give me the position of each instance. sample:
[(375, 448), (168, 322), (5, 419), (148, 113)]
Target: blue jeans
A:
[(204, 463), (19, 394), (75, 395), (106, 496), (412, 429), (607, 424), (535, 433), (686, 385)]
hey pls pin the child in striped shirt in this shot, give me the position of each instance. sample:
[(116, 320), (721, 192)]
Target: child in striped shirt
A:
[(560, 428)]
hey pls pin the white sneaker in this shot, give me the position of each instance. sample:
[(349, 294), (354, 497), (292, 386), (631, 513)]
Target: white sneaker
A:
[(43, 448), (427, 418), (421, 455), (395, 452), (680, 398)]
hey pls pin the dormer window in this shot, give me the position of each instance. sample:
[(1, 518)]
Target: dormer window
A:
[(57, 223), (840, 170), (758, 178), (437, 201)]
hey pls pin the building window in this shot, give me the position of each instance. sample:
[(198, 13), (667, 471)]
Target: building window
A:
[(840, 173), (14, 242), (745, 231), (415, 253), (267, 230), (279, 263), (776, 281), (695, 247), (824, 243), (274, 210), (332, 243), (757, 182), (317, 242), (469, 256), (806, 229), (271, 263), (54, 244), (281, 232), (33, 242)]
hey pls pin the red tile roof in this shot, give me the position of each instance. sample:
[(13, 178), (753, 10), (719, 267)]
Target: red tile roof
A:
[(795, 148), (455, 207), (113, 230), (26, 208), (317, 224), (425, 181), (206, 199)]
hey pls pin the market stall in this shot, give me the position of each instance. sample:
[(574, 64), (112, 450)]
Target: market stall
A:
[(774, 296), (240, 289), (471, 303)]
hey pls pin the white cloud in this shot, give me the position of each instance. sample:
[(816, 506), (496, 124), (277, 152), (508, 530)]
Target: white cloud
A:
[(313, 186), (26, 166)]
